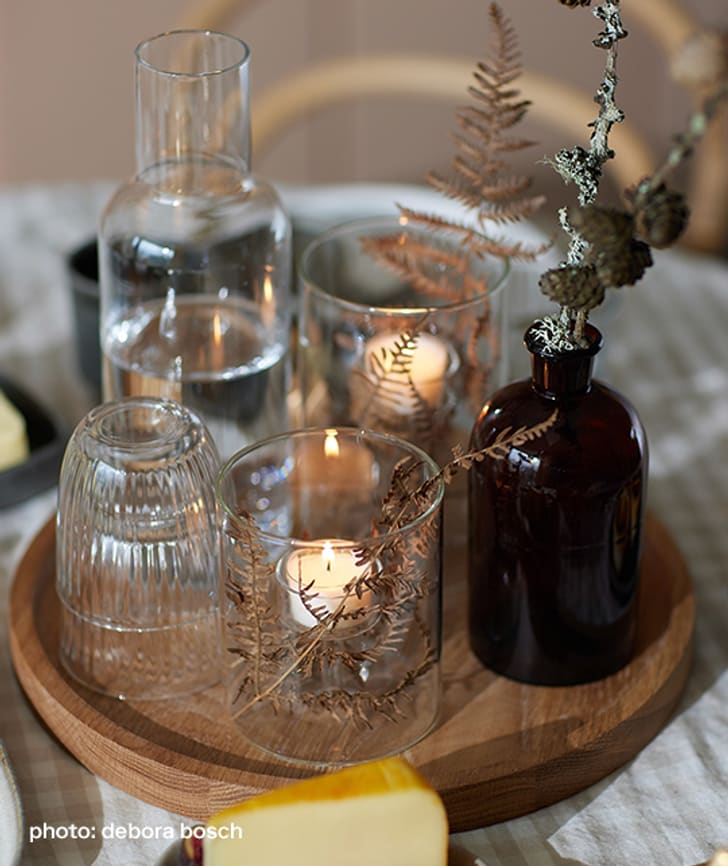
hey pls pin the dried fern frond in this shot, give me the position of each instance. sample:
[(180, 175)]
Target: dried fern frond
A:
[(475, 194), (485, 134), (477, 243), (401, 497), (253, 626), (435, 269), (482, 179), (379, 392), (478, 374), (395, 578)]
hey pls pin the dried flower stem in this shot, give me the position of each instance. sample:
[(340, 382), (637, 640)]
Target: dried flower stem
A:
[(686, 141)]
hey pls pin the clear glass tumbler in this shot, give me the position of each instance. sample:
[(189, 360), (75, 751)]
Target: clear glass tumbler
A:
[(331, 569), (137, 551), (416, 361)]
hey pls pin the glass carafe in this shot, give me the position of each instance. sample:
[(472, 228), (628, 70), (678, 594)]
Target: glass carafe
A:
[(194, 251)]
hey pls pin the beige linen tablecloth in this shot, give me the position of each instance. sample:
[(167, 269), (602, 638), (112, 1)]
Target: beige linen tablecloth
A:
[(667, 351)]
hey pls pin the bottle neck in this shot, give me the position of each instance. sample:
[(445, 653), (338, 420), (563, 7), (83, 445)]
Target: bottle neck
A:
[(192, 103), (563, 375)]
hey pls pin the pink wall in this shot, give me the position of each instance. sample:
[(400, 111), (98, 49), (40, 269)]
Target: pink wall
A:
[(66, 79)]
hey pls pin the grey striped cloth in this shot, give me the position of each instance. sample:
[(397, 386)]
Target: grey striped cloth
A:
[(667, 349)]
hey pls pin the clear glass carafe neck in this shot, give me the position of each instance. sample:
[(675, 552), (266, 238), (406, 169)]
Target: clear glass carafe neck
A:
[(192, 107)]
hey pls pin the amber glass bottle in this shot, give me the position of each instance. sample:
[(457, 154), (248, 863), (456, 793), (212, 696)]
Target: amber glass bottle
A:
[(556, 524)]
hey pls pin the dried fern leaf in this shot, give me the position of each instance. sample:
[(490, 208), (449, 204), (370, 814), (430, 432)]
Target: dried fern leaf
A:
[(511, 212), (477, 373), (503, 210), (458, 192), (491, 113), (435, 271), (510, 144), (496, 107), (478, 244), (388, 385), (502, 189)]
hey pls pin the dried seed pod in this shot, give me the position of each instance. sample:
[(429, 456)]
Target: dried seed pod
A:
[(606, 228), (573, 286), (660, 216), (621, 267)]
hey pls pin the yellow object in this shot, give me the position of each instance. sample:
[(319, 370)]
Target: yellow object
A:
[(14, 447), (378, 814)]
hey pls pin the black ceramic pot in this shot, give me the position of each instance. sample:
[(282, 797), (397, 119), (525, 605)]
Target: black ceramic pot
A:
[(83, 275)]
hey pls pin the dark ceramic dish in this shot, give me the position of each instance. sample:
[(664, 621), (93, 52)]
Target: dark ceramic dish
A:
[(47, 443), (83, 273)]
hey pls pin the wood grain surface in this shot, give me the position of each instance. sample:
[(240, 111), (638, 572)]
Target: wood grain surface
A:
[(501, 748)]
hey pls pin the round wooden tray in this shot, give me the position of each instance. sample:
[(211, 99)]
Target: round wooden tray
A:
[(501, 748)]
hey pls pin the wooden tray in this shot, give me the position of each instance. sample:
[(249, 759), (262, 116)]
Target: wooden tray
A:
[(501, 749)]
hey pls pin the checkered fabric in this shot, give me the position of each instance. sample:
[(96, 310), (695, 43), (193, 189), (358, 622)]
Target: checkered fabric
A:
[(667, 350)]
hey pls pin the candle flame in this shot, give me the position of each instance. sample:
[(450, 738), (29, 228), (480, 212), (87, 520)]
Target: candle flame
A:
[(267, 289), (328, 556), (269, 307), (331, 445), (217, 329)]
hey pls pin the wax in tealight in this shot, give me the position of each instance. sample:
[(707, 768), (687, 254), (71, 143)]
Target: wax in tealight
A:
[(427, 369), (325, 571)]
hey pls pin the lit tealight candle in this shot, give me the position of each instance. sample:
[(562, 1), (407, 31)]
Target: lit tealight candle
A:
[(427, 363), (325, 572), (347, 465)]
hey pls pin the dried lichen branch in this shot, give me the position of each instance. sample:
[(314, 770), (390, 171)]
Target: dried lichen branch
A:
[(581, 166), (609, 247), (576, 285), (685, 141)]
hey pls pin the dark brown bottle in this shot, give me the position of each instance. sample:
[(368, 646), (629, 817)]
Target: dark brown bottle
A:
[(555, 526)]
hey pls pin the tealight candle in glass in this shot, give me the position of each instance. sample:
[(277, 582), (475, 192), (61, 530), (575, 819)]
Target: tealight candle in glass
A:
[(326, 571), (417, 361), (331, 571)]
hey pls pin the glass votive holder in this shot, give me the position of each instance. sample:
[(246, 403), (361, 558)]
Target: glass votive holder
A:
[(416, 360), (331, 569), (137, 551)]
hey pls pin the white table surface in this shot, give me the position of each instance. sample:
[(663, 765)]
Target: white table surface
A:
[(667, 350)]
